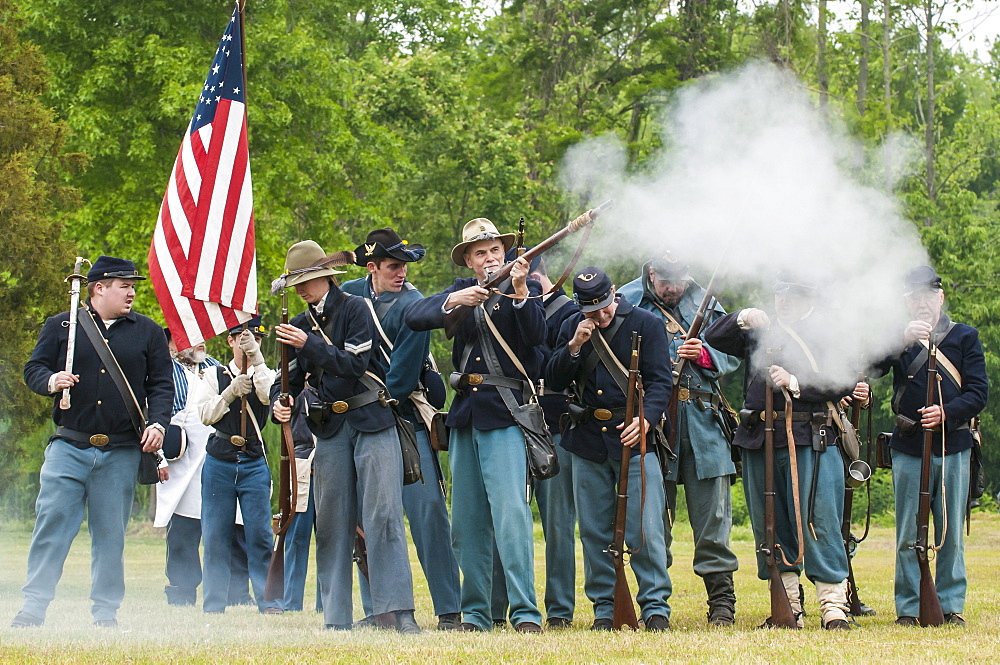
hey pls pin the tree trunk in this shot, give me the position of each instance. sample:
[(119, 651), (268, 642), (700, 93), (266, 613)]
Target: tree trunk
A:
[(887, 82), (823, 78), (865, 55), (929, 115)]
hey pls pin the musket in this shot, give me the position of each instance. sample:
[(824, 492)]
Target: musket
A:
[(288, 488), (386, 619), (930, 604), (74, 308), (677, 370), (240, 440), (781, 609), (624, 610), (856, 607), (454, 318)]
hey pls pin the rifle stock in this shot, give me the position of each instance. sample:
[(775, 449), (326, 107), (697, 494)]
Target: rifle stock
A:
[(454, 318), (624, 611), (274, 587), (782, 615), (930, 604)]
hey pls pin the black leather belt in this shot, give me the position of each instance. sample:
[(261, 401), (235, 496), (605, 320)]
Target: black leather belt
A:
[(321, 413), (85, 440), (580, 413), (749, 418), (705, 396), (460, 381)]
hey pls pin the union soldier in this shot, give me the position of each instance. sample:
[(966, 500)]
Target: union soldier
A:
[(235, 468), (92, 461), (554, 495), (704, 464), (486, 448), (178, 499), (404, 357), (334, 354), (964, 389), (749, 334), (598, 437)]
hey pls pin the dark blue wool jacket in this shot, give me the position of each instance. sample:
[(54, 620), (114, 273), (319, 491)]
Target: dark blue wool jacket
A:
[(96, 406), (597, 440), (962, 347), (522, 327), (354, 349)]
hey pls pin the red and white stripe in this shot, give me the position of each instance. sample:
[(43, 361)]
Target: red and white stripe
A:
[(202, 260)]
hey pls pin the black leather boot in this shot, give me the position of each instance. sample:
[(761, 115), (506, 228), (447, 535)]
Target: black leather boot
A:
[(406, 624), (721, 599)]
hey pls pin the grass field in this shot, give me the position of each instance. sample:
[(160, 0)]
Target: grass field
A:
[(152, 631)]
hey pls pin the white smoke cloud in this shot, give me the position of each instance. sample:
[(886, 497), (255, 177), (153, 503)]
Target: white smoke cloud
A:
[(753, 171)]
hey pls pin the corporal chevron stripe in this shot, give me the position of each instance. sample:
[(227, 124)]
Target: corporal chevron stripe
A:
[(202, 259), (358, 349)]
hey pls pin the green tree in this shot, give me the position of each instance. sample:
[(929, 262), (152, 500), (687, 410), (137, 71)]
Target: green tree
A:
[(32, 202)]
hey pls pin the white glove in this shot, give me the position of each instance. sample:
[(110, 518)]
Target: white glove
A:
[(251, 347), (242, 385), (754, 319)]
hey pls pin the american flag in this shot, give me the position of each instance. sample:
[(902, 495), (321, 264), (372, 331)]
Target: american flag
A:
[(202, 260)]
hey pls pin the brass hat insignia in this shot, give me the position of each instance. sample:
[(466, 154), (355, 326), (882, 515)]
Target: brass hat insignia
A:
[(370, 249), (586, 277)]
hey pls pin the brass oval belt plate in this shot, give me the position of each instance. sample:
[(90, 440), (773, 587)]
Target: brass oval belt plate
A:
[(339, 407), (237, 440), (99, 440), (602, 414), (683, 394), (475, 379), (763, 415)]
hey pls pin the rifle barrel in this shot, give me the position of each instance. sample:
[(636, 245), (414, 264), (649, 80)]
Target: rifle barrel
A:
[(623, 609), (931, 613)]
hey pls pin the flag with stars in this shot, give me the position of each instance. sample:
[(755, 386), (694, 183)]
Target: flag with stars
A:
[(202, 260)]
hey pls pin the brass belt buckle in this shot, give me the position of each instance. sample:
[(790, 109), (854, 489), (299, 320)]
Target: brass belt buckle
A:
[(99, 440), (602, 414), (339, 406), (237, 440), (683, 394), (475, 379), (763, 415)]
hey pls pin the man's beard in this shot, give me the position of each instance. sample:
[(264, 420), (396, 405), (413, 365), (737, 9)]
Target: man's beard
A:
[(191, 356)]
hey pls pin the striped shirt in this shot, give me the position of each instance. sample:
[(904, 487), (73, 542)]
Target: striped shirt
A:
[(181, 378)]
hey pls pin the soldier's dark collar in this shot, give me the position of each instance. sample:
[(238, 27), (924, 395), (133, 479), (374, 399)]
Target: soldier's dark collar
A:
[(624, 306), (943, 323)]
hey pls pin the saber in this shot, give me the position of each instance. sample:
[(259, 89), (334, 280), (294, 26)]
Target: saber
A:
[(75, 280)]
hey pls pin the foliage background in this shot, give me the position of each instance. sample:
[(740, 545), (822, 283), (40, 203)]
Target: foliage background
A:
[(424, 113)]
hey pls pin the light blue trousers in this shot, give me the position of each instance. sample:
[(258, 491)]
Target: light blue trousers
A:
[(949, 562), (595, 488), (489, 473), (430, 528), (710, 511), (558, 512), (349, 468), (103, 482), (825, 558)]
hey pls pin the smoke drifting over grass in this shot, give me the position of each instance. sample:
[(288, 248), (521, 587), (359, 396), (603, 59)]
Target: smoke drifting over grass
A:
[(754, 174)]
